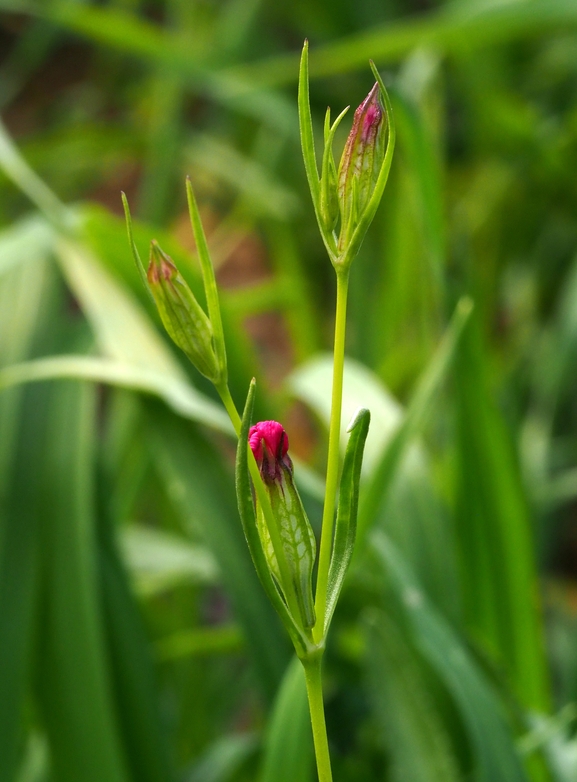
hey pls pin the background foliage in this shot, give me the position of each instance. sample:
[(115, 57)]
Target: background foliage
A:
[(135, 640)]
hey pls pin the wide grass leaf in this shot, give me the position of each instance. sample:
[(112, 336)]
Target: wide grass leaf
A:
[(500, 588), (413, 731), (496, 758), (288, 748), (74, 677)]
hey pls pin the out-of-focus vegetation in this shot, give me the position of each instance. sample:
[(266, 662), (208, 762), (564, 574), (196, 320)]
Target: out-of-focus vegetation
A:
[(136, 644)]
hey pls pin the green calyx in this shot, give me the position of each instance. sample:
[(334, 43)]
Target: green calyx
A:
[(182, 316), (298, 541)]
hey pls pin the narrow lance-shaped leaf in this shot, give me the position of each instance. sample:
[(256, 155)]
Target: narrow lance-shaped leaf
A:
[(288, 746), (490, 737), (346, 524), (248, 518), (209, 281), (329, 204), (137, 260), (306, 128), (415, 419)]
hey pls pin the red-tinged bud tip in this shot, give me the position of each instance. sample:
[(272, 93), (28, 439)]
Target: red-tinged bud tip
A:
[(372, 111), (269, 443), (160, 265)]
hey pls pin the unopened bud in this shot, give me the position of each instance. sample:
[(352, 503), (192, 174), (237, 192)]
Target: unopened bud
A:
[(269, 444), (181, 314), (361, 161)]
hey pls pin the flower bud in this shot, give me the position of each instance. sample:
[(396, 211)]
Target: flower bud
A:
[(269, 444), (361, 162), (181, 314)]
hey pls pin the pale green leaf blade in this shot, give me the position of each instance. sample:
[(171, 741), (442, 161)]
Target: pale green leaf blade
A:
[(288, 748), (497, 759), (160, 560), (176, 391), (413, 731)]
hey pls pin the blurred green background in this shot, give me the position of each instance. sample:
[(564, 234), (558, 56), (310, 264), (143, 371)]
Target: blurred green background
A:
[(136, 644)]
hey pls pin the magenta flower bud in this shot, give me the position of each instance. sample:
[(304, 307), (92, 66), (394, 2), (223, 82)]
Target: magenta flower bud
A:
[(269, 443), (361, 161), (181, 314)]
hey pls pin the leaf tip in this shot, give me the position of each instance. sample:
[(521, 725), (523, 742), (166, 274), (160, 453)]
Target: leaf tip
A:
[(362, 412)]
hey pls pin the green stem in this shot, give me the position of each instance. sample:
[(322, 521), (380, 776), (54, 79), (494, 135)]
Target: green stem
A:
[(316, 707), (230, 407), (263, 498), (333, 460)]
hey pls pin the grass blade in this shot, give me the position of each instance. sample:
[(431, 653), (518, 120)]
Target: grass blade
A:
[(288, 749), (495, 752), (85, 743), (416, 739)]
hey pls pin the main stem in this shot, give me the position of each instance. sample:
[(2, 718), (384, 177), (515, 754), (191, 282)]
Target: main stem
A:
[(315, 695), (333, 455)]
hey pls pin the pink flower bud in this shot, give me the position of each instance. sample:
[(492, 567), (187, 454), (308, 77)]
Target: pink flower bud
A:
[(269, 443), (361, 160)]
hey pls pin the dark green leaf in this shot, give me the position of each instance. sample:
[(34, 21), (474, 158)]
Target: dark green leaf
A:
[(346, 523)]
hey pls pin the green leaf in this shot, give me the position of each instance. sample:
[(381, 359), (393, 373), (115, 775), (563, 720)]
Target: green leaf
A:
[(31, 237), (455, 29), (223, 759), (494, 533), (122, 329), (18, 170), (346, 522), (413, 732), (306, 129), (135, 254), (489, 735), (159, 560), (210, 287), (177, 392), (132, 672), (34, 766), (73, 662), (267, 196), (288, 746), (415, 419), (26, 310)]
